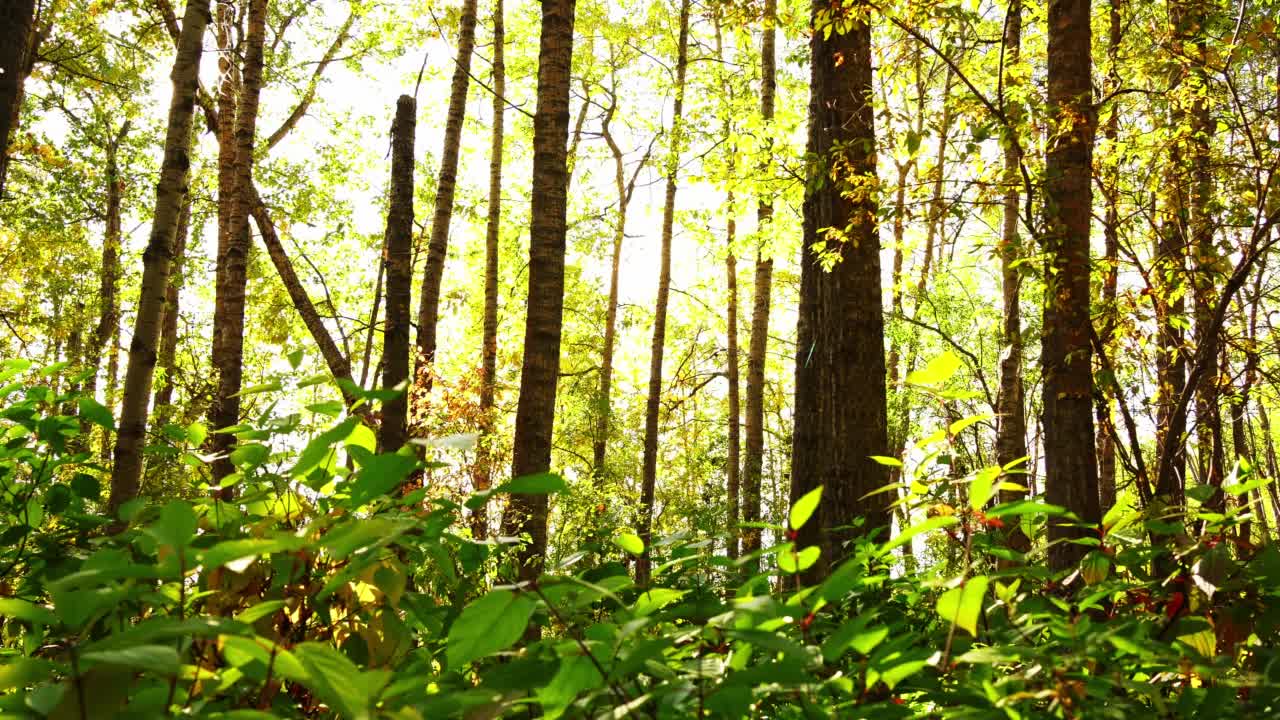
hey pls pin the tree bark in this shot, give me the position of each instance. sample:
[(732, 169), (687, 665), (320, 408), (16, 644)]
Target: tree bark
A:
[(758, 343), (15, 42), (540, 370), (156, 260), (398, 262), (1011, 435), (1066, 353), (1106, 449), (840, 409), (106, 332), (438, 247), (172, 305), (492, 236), (649, 465)]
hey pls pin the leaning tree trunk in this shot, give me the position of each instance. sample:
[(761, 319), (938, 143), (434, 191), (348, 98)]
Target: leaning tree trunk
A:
[(172, 306), (1011, 439), (230, 300), (1071, 469), (540, 370), (398, 262), (493, 233), (438, 247), (170, 191), (649, 465), (758, 343), (16, 16), (840, 411)]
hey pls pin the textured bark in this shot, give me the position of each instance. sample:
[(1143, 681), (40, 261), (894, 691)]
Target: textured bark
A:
[(438, 247), (398, 262), (1011, 436), (653, 404), (841, 415), (1168, 271), (172, 307), (156, 260), (493, 230), (1107, 438), (1071, 472), (758, 344), (106, 334), (732, 462), (535, 412), (232, 278), (15, 42)]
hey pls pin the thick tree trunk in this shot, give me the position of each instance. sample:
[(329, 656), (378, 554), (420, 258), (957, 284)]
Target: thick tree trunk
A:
[(1106, 448), (1011, 436), (492, 235), (398, 262), (16, 17), (172, 305), (438, 247), (841, 414), (535, 412), (758, 344), (653, 405), (1168, 269), (1066, 354), (232, 278), (156, 260)]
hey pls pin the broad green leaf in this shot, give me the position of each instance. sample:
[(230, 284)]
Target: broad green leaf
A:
[(938, 371), (1094, 567), (378, 476), (804, 507), (963, 605), (965, 423), (320, 447), (539, 484), (982, 487), (23, 610), (886, 460), (488, 625), (577, 674), (176, 526), (23, 671), (631, 543), (161, 659), (790, 561), (1019, 508), (655, 600), (335, 679), (272, 386), (96, 413), (904, 537)]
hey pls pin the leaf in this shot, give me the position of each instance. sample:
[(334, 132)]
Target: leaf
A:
[(86, 486), (1094, 568), (886, 460), (938, 371), (379, 475), (320, 447), (963, 605), (96, 413), (789, 561), (803, 509), (577, 673), (272, 386), (631, 543), (981, 488), (162, 659), (539, 484), (488, 625), (655, 600), (28, 611), (24, 671), (176, 526), (904, 537), (335, 679), (964, 423), (1019, 508), (249, 454)]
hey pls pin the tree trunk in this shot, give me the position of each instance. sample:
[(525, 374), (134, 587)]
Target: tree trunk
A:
[(438, 247), (398, 262), (1106, 449), (106, 332), (232, 279), (172, 304), (1011, 436), (841, 414), (758, 343), (540, 370), (649, 465), (16, 15), (492, 235), (170, 191), (1066, 354)]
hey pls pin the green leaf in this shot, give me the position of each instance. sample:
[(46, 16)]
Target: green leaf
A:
[(789, 561), (1019, 508), (320, 446), (982, 487), (96, 413), (335, 679), (577, 674), (654, 600), (488, 625), (938, 371), (86, 486), (904, 537), (804, 507), (886, 460), (249, 454), (28, 611), (539, 484), (631, 543), (963, 605), (272, 386), (964, 423), (379, 475), (24, 671), (161, 659), (176, 526)]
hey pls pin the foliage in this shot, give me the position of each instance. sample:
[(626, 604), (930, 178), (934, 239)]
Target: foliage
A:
[(317, 594)]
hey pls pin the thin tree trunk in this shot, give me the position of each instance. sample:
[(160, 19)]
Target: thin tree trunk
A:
[(233, 256), (170, 191), (758, 343), (1106, 448), (108, 332), (535, 412), (1273, 467), (438, 247), (1066, 354), (172, 305), (373, 317), (492, 236), (1011, 440), (732, 462), (840, 409), (398, 259), (649, 465), (16, 17)]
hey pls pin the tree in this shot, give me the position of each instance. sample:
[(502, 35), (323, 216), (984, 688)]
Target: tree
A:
[(156, 261), (539, 372), (1071, 472), (840, 405), (398, 264), (14, 47)]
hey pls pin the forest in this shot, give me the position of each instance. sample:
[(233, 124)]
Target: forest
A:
[(416, 359)]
